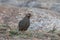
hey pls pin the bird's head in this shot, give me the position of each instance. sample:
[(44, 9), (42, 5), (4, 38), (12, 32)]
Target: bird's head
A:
[(28, 15)]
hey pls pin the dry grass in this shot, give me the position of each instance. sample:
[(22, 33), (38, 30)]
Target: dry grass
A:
[(28, 34), (39, 35)]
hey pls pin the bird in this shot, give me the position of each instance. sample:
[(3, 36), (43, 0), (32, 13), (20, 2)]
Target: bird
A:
[(24, 23)]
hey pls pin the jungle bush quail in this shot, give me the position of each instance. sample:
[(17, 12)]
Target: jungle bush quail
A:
[(24, 23)]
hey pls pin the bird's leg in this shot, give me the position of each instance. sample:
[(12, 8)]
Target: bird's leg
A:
[(21, 32)]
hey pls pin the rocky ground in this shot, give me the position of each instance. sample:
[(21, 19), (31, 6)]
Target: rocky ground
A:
[(44, 22)]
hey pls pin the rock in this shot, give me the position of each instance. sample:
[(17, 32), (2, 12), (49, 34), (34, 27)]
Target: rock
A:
[(41, 19)]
